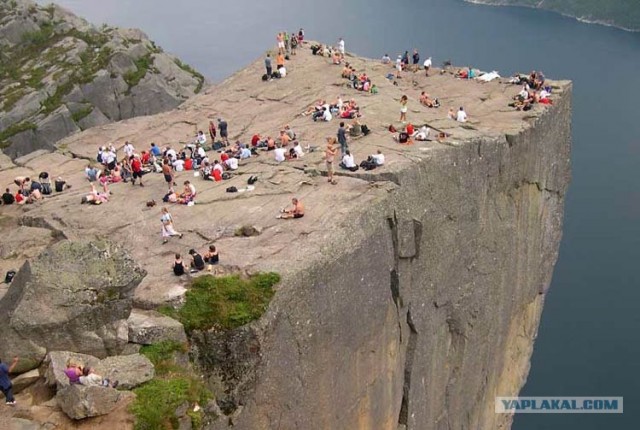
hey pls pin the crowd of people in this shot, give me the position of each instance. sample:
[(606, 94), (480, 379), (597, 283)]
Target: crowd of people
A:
[(533, 91)]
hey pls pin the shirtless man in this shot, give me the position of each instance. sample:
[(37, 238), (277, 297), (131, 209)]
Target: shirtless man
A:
[(296, 211), (329, 157)]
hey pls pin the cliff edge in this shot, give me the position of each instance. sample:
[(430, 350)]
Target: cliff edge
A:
[(60, 75), (410, 294)]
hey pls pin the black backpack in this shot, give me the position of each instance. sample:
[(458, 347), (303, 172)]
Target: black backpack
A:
[(232, 189), (252, 180), (365, 129), (265, 77), (46, 188), (9, 276)]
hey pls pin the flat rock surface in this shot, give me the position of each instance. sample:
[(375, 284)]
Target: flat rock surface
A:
[(251, 106)]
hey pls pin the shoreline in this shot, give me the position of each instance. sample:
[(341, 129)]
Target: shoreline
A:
[(583, 20)]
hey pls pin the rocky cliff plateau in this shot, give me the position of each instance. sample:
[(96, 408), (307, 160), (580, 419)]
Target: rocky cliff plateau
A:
[(60, 75), (410, 294)]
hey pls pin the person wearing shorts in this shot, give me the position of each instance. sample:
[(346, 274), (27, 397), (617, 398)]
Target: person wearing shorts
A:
[(168, 173), (329, 156)]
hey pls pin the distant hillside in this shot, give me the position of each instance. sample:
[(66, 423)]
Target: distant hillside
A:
[(59, 75), (620, 13)]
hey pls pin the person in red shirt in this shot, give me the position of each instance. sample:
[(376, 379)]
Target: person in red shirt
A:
[(188, 164), (410, 129), (146, 158), (217, 175), (136, 168), (20, 200), (224, 157), (255, 139)]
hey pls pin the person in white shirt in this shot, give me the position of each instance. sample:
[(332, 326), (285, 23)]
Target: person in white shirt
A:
[(109, 159), (245, 153), (326, 115), (427, 65), (279, 154), (378, 158), (201, 139), (386, 59), (544, 94), (423, 133), (232, 163), (178, 165), (347, 161), (171, 153), (283, 71), (201, 152), (128, 149), (461, 116), (297, 151), (341, 46)]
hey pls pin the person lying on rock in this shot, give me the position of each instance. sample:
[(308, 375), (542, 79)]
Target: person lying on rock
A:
[(73, 372), (296, 211), (90, 378), (96, 197)]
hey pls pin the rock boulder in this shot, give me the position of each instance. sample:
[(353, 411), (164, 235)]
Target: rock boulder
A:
[(129, 370), (75, 296), (149, 327), (80, 402)]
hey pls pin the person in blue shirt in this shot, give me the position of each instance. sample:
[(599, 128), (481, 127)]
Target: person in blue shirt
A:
[(155, 150), (5, 383)]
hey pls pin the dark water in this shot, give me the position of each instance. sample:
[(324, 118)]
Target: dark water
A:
[(588, 343)]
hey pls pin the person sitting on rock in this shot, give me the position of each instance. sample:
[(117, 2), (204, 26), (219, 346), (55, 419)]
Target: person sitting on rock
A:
[(428, 101), (90, 378), (7, 197), (296, 211), (178, 266), (188, 194), (348, 162), (22, 183), (197, 262), (92, 173), (211, 256)]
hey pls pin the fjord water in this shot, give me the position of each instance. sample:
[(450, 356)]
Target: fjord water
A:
[(588, 340)]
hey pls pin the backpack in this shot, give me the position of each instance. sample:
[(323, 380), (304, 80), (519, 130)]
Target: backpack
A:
[(226, 175), (46, 188), (392, 129), (252, 180), (232, 189), (9, 276), (265, 77), (286, 57), (365, 129)]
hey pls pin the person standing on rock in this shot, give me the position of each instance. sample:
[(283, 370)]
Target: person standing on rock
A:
[(168, 173), (329, 157), (212, 132), (167, 226), (136, 170), (267, 65), (5, 383), (403, 108), (224, 132), (342, 139), (280, 40)]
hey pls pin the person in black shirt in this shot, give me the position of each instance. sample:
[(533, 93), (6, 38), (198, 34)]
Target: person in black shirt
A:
[(178, 266), (224, 132), (197, 262), (7, 198)]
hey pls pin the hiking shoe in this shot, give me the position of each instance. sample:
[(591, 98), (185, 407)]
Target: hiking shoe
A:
[(11, 403)]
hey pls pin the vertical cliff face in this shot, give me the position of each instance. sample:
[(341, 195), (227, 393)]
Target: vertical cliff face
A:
[(431, 308)]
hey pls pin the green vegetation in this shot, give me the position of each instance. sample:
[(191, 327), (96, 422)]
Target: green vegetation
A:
[(13, 130), (187, 68), (622, 13), (156, 401), (54, 101), (12, 97), (82, 113), (143, 64), (226, 302)]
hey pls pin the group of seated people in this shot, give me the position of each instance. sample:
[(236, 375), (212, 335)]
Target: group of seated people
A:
[(186, 197), (360, 82), (30, 191), (409, 133), (324, 111), (372, 161), (198, 262), (533, 91)]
